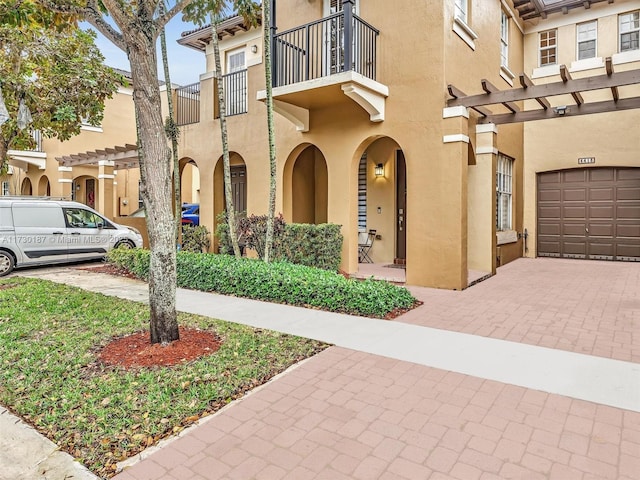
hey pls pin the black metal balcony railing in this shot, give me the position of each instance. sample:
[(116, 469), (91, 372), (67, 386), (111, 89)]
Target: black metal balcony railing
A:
[(235, 90), (188, 104), (338, 43)]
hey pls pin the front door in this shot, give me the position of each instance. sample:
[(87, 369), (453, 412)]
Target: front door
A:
[(401, 205), (239, 187)]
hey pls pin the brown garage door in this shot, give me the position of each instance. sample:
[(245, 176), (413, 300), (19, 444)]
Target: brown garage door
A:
[(591, 213)]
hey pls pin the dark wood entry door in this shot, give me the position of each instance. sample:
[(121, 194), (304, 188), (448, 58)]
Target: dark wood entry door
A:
[(590, 213), (239, 187), (401, 208)]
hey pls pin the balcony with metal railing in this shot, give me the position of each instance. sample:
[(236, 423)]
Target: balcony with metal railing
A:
[(188, 104), (327, 58), (31, 155)]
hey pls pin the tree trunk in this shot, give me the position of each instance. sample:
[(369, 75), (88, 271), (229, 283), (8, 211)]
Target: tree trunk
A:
[(266, 23), (222, 109), (155, 171), (172, 132)]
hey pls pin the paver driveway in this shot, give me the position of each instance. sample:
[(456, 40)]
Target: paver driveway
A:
[(346, 414)]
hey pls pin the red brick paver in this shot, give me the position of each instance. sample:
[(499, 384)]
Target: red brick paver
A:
[(590, 307), (361, 416)]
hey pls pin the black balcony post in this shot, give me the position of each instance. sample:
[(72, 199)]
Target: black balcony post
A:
[(274, 50), (347, 10)]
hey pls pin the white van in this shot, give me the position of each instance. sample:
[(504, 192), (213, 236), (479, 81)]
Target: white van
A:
[(41, 230)]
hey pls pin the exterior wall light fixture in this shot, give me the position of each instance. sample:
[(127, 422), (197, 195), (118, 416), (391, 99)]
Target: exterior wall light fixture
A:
[(560, 110), (379, 171), (254, 48)]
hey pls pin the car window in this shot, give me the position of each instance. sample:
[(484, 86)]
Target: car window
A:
[(81, 218)]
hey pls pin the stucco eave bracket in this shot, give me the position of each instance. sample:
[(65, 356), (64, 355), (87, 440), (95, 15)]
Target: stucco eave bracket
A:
[(371, 101), (299, 116)]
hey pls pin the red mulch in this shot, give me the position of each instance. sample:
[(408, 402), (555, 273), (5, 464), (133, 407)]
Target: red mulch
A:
[(111, 270), (136, 350)]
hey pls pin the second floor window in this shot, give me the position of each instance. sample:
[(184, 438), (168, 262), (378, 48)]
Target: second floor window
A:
[(587, 40), (548, 47), (461, 10), (629, 25), (504, 39), (504, 192)]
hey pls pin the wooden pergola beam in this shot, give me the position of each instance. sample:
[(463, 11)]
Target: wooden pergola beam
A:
[(566, 76), (488, 87), (526, 83), (571, 111), (586, 84), (609, 67), (456, 93)]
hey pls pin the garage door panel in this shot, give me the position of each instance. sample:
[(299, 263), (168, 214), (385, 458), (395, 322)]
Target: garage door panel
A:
[(572, 176), (549, 229), (573, 229), (550, 195), (574, 195), (602, 230), (570, 211), (628, 193), (600, 174), (631, 212), (553, 212), (601, 194), (604, 200), (628, 174), (628, 251), (627, 231), (600, 212)]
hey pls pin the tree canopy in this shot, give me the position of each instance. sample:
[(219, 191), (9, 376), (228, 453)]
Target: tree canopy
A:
[(55, 70)]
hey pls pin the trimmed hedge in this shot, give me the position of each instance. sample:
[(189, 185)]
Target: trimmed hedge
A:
[(317, 246), (278, 282)]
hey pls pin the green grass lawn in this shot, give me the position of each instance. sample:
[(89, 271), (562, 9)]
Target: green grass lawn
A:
[(50, 335)]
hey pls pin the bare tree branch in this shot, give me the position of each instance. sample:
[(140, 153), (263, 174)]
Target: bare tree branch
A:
[(177, 8), (94, 16)]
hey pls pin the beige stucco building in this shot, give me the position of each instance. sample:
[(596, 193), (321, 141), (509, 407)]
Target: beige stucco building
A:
[(398, 134)]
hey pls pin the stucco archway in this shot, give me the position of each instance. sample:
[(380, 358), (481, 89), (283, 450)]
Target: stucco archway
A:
[(44, 187), (189, 181), (85, 190), (26, 188), (306, 186), (239, 186), (380, 173)]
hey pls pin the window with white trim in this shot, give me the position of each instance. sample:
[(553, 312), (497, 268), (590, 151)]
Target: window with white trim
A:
[(548, 47), (461, 8), (629, 26), (504, 39), (6, 188), (362, 193), (504, 192), (587, 34)]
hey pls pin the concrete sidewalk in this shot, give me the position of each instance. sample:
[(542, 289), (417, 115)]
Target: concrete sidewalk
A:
[(404, 400)]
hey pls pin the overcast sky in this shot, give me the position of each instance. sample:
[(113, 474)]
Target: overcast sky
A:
[(185, 64)]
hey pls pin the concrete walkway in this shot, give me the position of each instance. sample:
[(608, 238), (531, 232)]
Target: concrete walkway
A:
[(403, 400)]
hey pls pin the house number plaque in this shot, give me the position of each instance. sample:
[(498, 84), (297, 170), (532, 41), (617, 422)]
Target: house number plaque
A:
[(583, 160)]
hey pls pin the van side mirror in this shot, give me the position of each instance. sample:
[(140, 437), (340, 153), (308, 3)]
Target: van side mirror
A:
[(100, 225)]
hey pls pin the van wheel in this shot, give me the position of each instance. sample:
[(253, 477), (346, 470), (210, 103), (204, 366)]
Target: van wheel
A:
[(6, 263), (124, 244)]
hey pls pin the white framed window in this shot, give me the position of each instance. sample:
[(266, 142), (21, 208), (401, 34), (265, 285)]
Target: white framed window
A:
[(587, 36), (629, 27), (504, 192), (6, 188), (504, 39), (461, 8), (548, 47)]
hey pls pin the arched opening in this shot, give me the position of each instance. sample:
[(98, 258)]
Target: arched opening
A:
[(382, 203), (44, 187), (26, 188), (85, 190), (239, 187), (307, 198), (189, 181)]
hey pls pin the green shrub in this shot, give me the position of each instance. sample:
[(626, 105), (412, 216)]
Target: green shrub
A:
[(195, 238), (253, 229), (222, 232), (317, 246), (279, 282)]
